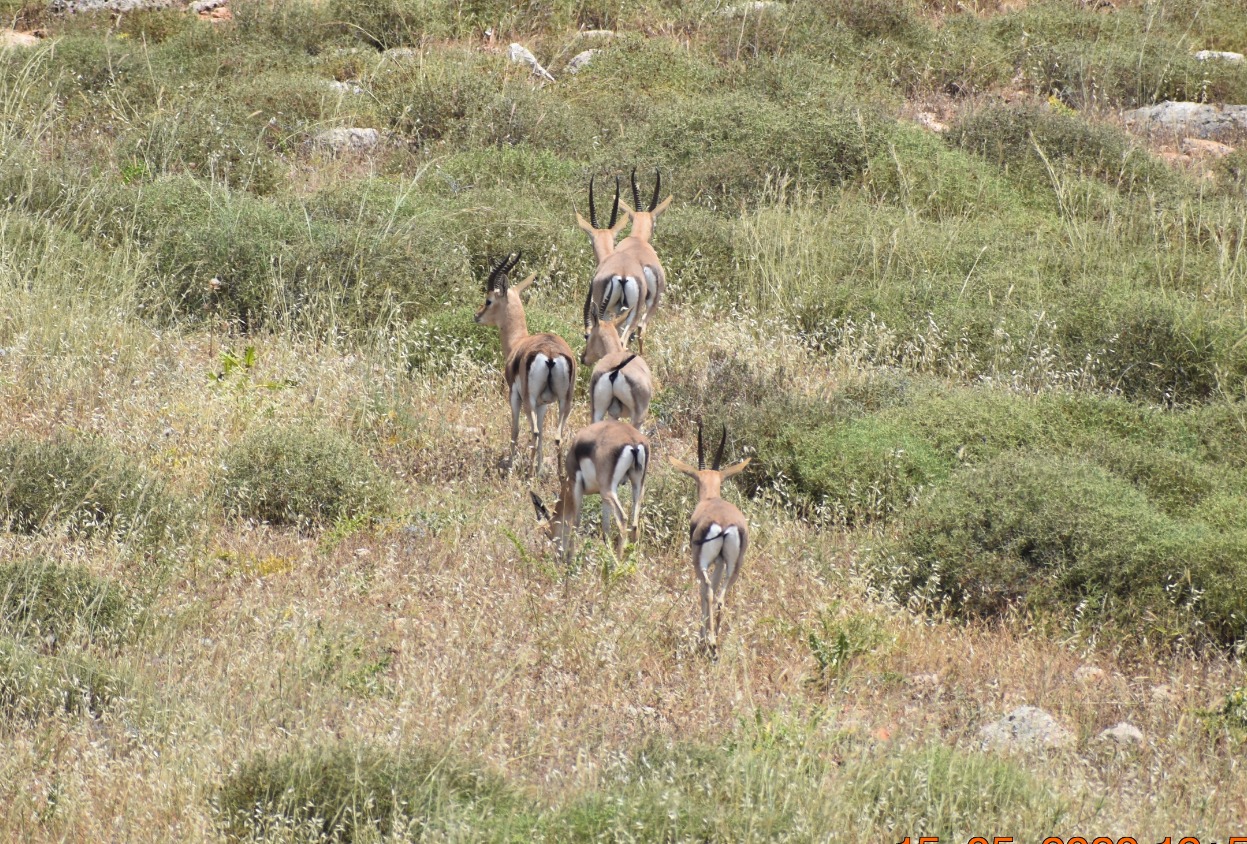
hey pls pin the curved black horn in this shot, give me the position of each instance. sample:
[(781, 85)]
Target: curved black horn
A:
[(498, 269), (718, 457), (636, 192), (593, 209), (653, 203), (701, 452), (615, 208), (588, 305)]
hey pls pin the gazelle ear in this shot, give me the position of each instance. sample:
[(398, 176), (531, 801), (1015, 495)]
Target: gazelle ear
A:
[(662, 206), (523, 285), (735, 468), (683, 467), (543, 515), (628, 210), (583, 224), (623, 220)]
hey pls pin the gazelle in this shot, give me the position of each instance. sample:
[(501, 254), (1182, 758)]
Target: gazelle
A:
[(637, 243), (619, 280), (601, 457), (718, 534), (539, 368), (621, 382)]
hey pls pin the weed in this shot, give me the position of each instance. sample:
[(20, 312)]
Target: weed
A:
[(53, 604)]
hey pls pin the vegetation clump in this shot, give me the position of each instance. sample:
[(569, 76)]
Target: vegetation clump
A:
[(35, 685), (83, 485), (299, 475), (46, 602)]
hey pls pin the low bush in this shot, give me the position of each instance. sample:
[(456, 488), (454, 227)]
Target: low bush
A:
[(1060, 536), (355, 792), (1013, 137), (34, 686), (84, 486), (52, 604), (299, 475), (941, 788)]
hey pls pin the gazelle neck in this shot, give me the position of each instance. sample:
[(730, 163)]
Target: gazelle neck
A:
[(514, 328)]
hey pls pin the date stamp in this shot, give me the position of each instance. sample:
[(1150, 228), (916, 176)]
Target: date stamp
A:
[(1077, 839)]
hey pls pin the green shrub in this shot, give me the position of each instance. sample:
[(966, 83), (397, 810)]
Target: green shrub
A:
[(1022, 136), (85, 486), (1062, 537), (302, 476), (949, 792), (34, 686), (50, 603), (154, 26), (354, 792)]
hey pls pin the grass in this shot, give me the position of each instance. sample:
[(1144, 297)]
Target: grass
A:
[(265, 578)]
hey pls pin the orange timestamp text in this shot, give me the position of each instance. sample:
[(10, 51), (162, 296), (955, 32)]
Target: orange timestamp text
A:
[(1077, 839)]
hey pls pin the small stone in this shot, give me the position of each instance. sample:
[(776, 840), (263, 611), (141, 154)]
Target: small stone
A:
[(1163, 694), (596, 33), (522, 55), (1025, 727), (13, 38), (1218, 56), (1200, 148), (401, 53), (351, 140), (202, 7), (580, 60), (1089, 674), (346, 87), (1123, 733), (757, 7), (928, 120)]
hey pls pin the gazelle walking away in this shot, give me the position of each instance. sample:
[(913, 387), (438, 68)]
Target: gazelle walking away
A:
[(621, 382), (601, 457), (539, 369), (619, 280), (637, 244), (718, 534)]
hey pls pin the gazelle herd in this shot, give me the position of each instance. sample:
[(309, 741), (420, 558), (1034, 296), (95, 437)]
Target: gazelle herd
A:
[(540, 370)]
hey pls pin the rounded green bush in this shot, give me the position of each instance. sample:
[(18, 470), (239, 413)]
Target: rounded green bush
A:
[(84, 485), (299, 475), (52, 603), (352, 792), (33, 685)]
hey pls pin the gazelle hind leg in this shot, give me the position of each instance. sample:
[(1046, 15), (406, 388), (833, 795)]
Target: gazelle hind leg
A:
[(610, 502), (515, 423), (539, 420)]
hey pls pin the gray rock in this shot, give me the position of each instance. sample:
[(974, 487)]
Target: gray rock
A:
[(596, 33), (757, 7), (1198, 119), (401, 53), (345, 87), (1025, 727), (204, 6), (1089, 674), (13, 38), (580, 60), (1200, 148), (348, 140), (1123, 733), (522, 55), (69, 7), (1218, 56)]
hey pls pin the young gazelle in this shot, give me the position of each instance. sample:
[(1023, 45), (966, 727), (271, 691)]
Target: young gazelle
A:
[(619, 280), (600, 458), (718, 534), (621, 382), (637, 244), (539, 368)]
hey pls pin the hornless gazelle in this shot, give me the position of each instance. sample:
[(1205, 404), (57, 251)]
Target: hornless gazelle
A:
[(637, 244), (718, 534), (601, 457), (539, 368), (621, 382), (619, 280)]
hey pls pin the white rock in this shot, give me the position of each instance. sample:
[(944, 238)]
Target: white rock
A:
[(579, 61), (348, 140), (1025, 727), (596, 33), (401, 53), (928, 120), (1200, 148), (1123, 733), (1218, 56), (204, 6), (13, 38), (522, 55), (345, 87), (757, 7), (1198, 119), (1089, 674)]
